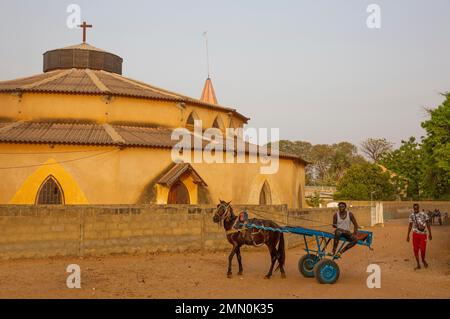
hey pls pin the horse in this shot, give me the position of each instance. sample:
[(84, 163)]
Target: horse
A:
[(252, 237)]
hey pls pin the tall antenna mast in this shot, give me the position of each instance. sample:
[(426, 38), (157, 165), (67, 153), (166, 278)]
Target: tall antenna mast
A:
[(205, 34)]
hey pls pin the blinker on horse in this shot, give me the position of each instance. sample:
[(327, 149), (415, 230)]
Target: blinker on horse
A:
[(239, 236)]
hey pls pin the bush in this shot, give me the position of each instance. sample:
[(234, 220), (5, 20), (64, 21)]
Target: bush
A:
[(363, 179)]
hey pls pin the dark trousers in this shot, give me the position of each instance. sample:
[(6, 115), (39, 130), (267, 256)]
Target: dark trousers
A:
[(340, 233)]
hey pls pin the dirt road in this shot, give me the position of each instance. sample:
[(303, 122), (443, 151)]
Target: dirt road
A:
[(195, 275)]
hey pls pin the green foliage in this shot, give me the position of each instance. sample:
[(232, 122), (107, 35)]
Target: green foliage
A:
[(299, 148), (343, 156), (425, 166), (314, 200), (406, 161), (363, 179), (328, 162), (436, 149), (416, 170)]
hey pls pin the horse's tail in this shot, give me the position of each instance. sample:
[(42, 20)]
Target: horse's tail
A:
[(281, 252)]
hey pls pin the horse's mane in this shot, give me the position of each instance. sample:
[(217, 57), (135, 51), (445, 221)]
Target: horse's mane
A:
[(232, 212)]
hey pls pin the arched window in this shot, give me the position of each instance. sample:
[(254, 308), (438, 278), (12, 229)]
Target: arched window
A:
[(218, 123), (265, 197), (191, 119), (178, 194), (50, 193)]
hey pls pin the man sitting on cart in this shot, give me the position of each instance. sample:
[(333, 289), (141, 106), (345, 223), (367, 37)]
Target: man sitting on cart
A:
[(342, 221)]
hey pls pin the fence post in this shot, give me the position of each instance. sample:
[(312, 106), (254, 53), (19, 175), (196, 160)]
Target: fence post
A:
[(81, 243), (203, 229)]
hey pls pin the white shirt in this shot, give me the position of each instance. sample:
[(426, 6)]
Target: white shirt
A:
[(419, 219), (344, 223)]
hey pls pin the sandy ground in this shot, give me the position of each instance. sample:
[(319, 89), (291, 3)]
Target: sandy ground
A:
[(195, 275)]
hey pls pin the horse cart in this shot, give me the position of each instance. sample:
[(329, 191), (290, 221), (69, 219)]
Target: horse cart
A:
[(317, 262)]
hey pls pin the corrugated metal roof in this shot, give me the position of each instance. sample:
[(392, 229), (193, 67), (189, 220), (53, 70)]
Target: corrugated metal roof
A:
[(80, 81), (145, 136), (82, 46), (122, 86), (21, 82), (177, 171), (58, 133), (96, 134), (76, 81)]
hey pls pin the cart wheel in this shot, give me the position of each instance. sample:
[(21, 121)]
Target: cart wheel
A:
[(326, 271), (306, 265)]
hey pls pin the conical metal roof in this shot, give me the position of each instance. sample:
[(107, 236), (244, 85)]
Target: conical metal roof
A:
[(208, 94)]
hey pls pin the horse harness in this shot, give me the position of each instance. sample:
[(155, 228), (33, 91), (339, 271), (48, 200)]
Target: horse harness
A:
[(243, 228)]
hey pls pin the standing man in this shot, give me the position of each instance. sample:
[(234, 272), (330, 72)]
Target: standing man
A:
[(419, 222), (342, 221)]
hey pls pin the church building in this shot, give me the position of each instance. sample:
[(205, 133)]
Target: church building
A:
[(82, 133)]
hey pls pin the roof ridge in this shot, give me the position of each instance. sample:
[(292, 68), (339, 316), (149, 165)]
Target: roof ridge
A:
[(56, 76), (98, 83), (139, 84), (175, 172), (116, 137), (164, 91), (30, 76), (140, 125)]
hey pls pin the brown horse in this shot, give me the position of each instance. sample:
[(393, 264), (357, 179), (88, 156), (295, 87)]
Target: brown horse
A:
[(253, 237)]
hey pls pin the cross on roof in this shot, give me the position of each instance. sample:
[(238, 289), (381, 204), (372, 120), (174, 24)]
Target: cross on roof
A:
[(84, 26)]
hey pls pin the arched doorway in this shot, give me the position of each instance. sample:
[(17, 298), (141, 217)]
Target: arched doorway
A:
[(265, 197), (178, 194), (50, 193)]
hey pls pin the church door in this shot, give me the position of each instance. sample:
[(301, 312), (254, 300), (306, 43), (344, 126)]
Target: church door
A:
[(178, 194)]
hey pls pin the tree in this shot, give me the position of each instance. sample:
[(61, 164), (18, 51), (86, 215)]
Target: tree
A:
[(299, 148), (362, 180), (407, 162), (436, 152), (344, 155), (328, 162), (425, 166), (332, 161), (376, 148), (321, 162)]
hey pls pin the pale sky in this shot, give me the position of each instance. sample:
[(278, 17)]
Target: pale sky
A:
[(311, 68)]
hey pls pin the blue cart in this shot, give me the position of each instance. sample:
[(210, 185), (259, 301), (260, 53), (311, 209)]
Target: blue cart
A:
[(317, 262)]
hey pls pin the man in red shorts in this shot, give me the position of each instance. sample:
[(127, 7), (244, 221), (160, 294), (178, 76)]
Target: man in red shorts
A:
[(419, 222)]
